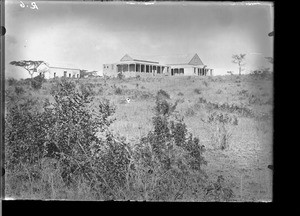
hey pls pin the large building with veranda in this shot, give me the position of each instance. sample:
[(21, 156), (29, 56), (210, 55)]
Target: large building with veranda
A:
[(133, 65)]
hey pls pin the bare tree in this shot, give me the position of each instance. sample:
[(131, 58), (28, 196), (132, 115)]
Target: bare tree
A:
[(30, 66), (239, 59)]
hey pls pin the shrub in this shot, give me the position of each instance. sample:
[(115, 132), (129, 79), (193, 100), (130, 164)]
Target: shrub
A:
[(37, 82), (66, 130), (12, 81), (121, 76), (261, 73), (168, 157), (162, 95), (19, 90), (197, 91), (118, 91)]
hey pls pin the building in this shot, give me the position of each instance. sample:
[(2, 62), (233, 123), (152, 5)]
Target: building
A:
[(52, 71), (132, 65), (64, 72)]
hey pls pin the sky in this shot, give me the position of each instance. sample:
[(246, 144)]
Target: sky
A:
[(87, 35)]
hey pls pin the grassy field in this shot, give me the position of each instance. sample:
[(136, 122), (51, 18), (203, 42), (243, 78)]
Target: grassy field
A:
[(244, 163)]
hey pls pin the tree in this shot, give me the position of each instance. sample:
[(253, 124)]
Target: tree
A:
[(239, 59), (30, 66)]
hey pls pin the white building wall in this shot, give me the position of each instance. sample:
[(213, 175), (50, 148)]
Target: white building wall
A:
[(110, 70), (189, 72), (61, 72)]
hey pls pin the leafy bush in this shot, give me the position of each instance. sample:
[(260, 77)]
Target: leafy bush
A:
[(12, 81), (168, 156), (37, 82), (118, 90), (66, 130), (121, 76), (19, 90), (162, 94)]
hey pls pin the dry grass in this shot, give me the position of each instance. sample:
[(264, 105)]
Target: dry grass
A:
[(244, 164)]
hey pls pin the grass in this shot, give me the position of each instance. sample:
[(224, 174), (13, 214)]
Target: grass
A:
[(250, 143)]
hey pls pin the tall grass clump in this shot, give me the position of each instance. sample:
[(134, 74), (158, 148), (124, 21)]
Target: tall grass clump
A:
[(220, 129)]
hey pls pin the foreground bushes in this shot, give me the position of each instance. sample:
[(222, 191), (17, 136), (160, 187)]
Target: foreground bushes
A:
[(65, 149), (66, 131)]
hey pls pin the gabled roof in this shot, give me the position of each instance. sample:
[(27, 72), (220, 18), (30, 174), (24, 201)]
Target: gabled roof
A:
[(187, 59), (191, 59), (133, 57)]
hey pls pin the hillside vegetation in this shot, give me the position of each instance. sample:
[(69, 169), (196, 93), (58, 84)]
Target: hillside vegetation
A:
[(176, 138)]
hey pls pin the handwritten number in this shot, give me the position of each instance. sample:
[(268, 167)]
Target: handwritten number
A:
[(22, 4), (34, 6)]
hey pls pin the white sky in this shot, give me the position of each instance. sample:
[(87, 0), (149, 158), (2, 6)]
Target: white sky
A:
[(88, 35)]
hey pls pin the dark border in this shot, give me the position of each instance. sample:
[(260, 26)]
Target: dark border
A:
[(2, 100)]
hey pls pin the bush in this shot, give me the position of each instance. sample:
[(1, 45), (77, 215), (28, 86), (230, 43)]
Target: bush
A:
[(37, 82), (162, 95), (121, 76), (226, 107), (19, 90), (168, 157), (262, 73), (66, 130), (12, 81)]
